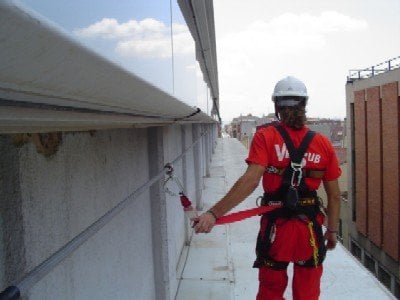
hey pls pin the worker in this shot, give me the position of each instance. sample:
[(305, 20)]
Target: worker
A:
[(292, 161)]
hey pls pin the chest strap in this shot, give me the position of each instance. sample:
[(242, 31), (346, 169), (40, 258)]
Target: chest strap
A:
[(308, 173)]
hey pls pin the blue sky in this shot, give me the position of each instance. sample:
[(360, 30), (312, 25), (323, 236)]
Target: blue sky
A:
[(74, 14), (134, 34), (258, 43)]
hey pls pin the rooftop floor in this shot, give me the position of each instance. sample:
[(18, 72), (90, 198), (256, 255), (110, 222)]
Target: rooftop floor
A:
[(219, 264)]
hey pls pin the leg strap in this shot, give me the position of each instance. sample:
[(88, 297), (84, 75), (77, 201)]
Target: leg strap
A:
[(263, 238), (271, 263), (264, 243)]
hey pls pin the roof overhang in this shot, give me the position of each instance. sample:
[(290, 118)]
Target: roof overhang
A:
[(48, 81), (199, 16)]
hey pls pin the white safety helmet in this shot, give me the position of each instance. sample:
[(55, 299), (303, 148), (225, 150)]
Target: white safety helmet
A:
[(289, 91)]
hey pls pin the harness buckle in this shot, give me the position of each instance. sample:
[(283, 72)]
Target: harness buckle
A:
[(272, 170)]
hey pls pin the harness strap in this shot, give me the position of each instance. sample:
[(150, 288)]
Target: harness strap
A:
[(264, 243), (308, 173), (271, 263), (308, 201), (263, 239), (296, 154)]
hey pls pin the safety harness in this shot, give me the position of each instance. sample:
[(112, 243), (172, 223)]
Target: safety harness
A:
[(295, 201)]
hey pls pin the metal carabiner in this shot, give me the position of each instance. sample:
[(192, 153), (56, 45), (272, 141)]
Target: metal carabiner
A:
[(297, 169), (170, 173), (166, 189)]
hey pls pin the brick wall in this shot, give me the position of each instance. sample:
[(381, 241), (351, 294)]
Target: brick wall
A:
[(390, 140), (360, 140), (377, 179), (374, 178)]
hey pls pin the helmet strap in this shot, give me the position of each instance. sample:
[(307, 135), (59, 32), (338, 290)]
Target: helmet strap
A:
[(276, 112)]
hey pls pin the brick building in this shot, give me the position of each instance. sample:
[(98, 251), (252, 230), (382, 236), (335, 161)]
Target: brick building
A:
[(373, 171)]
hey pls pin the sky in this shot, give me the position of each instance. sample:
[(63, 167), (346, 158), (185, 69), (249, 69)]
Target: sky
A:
[(318, 41), (258, 43), (137, 35)]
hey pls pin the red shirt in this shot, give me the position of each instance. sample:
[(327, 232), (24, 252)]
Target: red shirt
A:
[(268, 149)]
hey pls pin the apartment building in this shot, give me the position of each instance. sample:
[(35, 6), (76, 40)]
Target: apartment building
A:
[(373, 206)]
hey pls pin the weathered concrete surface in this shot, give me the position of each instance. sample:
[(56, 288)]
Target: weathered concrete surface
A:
[(46, 202), (64, 194), (12, 251)]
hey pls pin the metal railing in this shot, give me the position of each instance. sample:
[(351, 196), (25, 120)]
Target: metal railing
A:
[(21, 287), (381, 68)]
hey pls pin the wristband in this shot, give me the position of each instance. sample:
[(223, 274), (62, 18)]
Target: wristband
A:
[(213, 214)]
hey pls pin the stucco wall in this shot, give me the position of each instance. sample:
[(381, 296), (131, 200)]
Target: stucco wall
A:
[(175, 218), (48, 201), (64, 194)]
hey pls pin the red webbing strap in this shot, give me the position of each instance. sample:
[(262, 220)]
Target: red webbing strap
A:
[(244, 214), (185, 200)]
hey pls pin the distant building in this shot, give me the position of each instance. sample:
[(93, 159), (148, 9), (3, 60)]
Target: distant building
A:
[(322, 128), (244, 127)]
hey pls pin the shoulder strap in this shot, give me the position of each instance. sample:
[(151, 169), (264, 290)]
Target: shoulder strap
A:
[(274, 123), (296, 154)]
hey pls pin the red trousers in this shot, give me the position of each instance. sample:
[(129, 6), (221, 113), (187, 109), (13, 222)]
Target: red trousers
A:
[(291, 243), (305, 286)]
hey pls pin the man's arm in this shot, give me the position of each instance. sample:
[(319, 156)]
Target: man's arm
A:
[(245, 185), (333, 194)]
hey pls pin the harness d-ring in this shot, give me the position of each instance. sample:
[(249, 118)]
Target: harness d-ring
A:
[(258, 201)]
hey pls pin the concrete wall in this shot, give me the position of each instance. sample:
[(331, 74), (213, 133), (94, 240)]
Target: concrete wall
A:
[(45, 202), (373, 166)]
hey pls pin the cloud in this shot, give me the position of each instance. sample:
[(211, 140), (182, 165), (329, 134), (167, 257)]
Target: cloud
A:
[(290, 33), (252, 59), (328, 21), (146, 38)]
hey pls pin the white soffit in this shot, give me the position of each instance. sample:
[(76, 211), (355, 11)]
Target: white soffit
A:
[(41, 66), (199, 16)]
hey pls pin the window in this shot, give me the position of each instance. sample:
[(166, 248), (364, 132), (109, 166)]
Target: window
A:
[(369, 263), (340, 233), (384, 277), (355, 250)]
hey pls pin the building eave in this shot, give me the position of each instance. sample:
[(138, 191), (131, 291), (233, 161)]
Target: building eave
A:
[(199, 16), (43, 68)]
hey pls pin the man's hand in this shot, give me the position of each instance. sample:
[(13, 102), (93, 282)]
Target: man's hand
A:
[(245, 185), (331, 239), (204, 223)]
